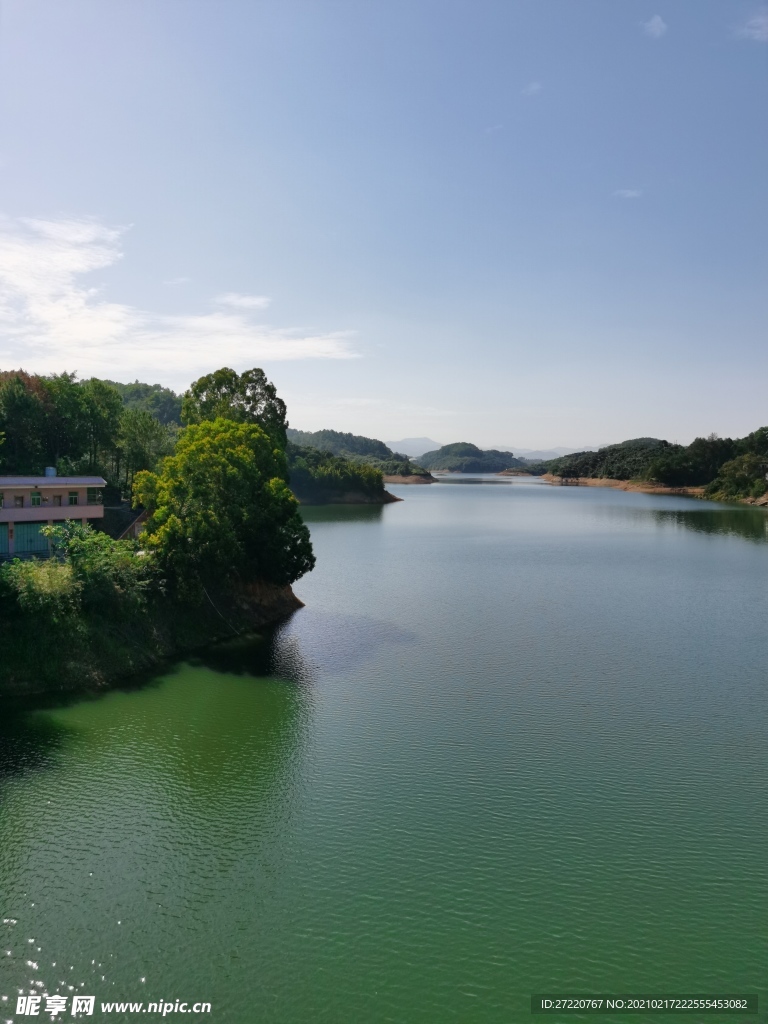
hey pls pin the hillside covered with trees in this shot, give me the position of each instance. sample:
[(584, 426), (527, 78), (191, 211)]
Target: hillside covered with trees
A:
[(728, 468), (463, 457), (358, 449), (119, 430)]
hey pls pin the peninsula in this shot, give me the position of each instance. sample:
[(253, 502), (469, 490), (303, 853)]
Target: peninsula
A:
[(222, 539)]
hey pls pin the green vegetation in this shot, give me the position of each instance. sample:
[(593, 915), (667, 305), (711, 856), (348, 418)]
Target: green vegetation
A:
[(79, 427), (223, 543), (221, 510), (246, 398), (463, 457), (742, 477), (161, 403), (318, 478), (625, 461), (359, 449), (728, 468)]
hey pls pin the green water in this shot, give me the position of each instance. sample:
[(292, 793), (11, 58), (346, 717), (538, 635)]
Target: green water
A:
[(516, 742)]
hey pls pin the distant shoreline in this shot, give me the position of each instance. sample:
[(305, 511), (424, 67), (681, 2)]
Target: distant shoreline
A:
[(392, 478), (641, 486)]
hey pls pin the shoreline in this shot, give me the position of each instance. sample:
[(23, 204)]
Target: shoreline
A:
[(392, 478), (111, 653), (639, 486)]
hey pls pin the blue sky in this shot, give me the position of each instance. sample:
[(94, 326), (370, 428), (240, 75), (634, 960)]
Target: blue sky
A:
[(523, 222)]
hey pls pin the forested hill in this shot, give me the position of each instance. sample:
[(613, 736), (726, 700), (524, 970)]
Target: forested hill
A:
[(338, 443), (358, 449), (727, 467), (463, 457), (160, 402), (623, 461)]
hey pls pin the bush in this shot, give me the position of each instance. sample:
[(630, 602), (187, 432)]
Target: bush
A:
[(108, 571), (47, 589)]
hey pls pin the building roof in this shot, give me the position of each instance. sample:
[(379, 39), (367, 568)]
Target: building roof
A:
[(39, 482)]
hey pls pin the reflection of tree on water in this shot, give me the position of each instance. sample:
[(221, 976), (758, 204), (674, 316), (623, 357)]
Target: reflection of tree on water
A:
[(27, 743), (342, 513), (749, 523), (173, 802)]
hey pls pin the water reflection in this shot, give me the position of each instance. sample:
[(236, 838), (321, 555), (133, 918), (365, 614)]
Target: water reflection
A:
[(160, 803), (699, 517), (749, 523), (28, 743), (341, 513), (463, 479)]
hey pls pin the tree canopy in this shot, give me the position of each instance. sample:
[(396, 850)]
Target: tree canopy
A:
[(91, 426), (221, 509), (244, 397)]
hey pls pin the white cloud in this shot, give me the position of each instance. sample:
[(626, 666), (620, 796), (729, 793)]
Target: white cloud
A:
[(656, 27), (532, 89), (243, 301), (628, 193), (174, 282), (756, 28), (50, 320)]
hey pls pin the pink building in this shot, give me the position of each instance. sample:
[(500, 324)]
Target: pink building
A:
[(28, 503)]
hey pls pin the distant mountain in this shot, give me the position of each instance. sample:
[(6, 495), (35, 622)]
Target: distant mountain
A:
[(413, 446), (463, 457)]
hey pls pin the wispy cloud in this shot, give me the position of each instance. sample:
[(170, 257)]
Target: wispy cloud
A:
[(656, 27), (532, 89), (175, 282), (628, 193), (756, 28), (243, 301), (50, 320)]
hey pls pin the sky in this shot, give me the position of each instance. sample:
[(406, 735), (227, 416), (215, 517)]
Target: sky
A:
[(512, 222)]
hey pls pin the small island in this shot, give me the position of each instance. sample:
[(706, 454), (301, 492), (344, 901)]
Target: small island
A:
[(463, 457)]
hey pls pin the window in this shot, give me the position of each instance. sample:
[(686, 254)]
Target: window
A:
[(73, 497), (18, 501), (94, 496), (34, 499), (1, 500), (57, 500)]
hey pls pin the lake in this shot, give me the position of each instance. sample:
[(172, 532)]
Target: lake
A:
[(516, 742)]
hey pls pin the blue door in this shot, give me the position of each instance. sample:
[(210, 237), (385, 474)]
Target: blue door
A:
[(29, 540), (3, 539)]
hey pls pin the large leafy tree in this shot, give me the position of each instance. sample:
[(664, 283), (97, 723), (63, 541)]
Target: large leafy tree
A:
[(245, 397), (221, 510)]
